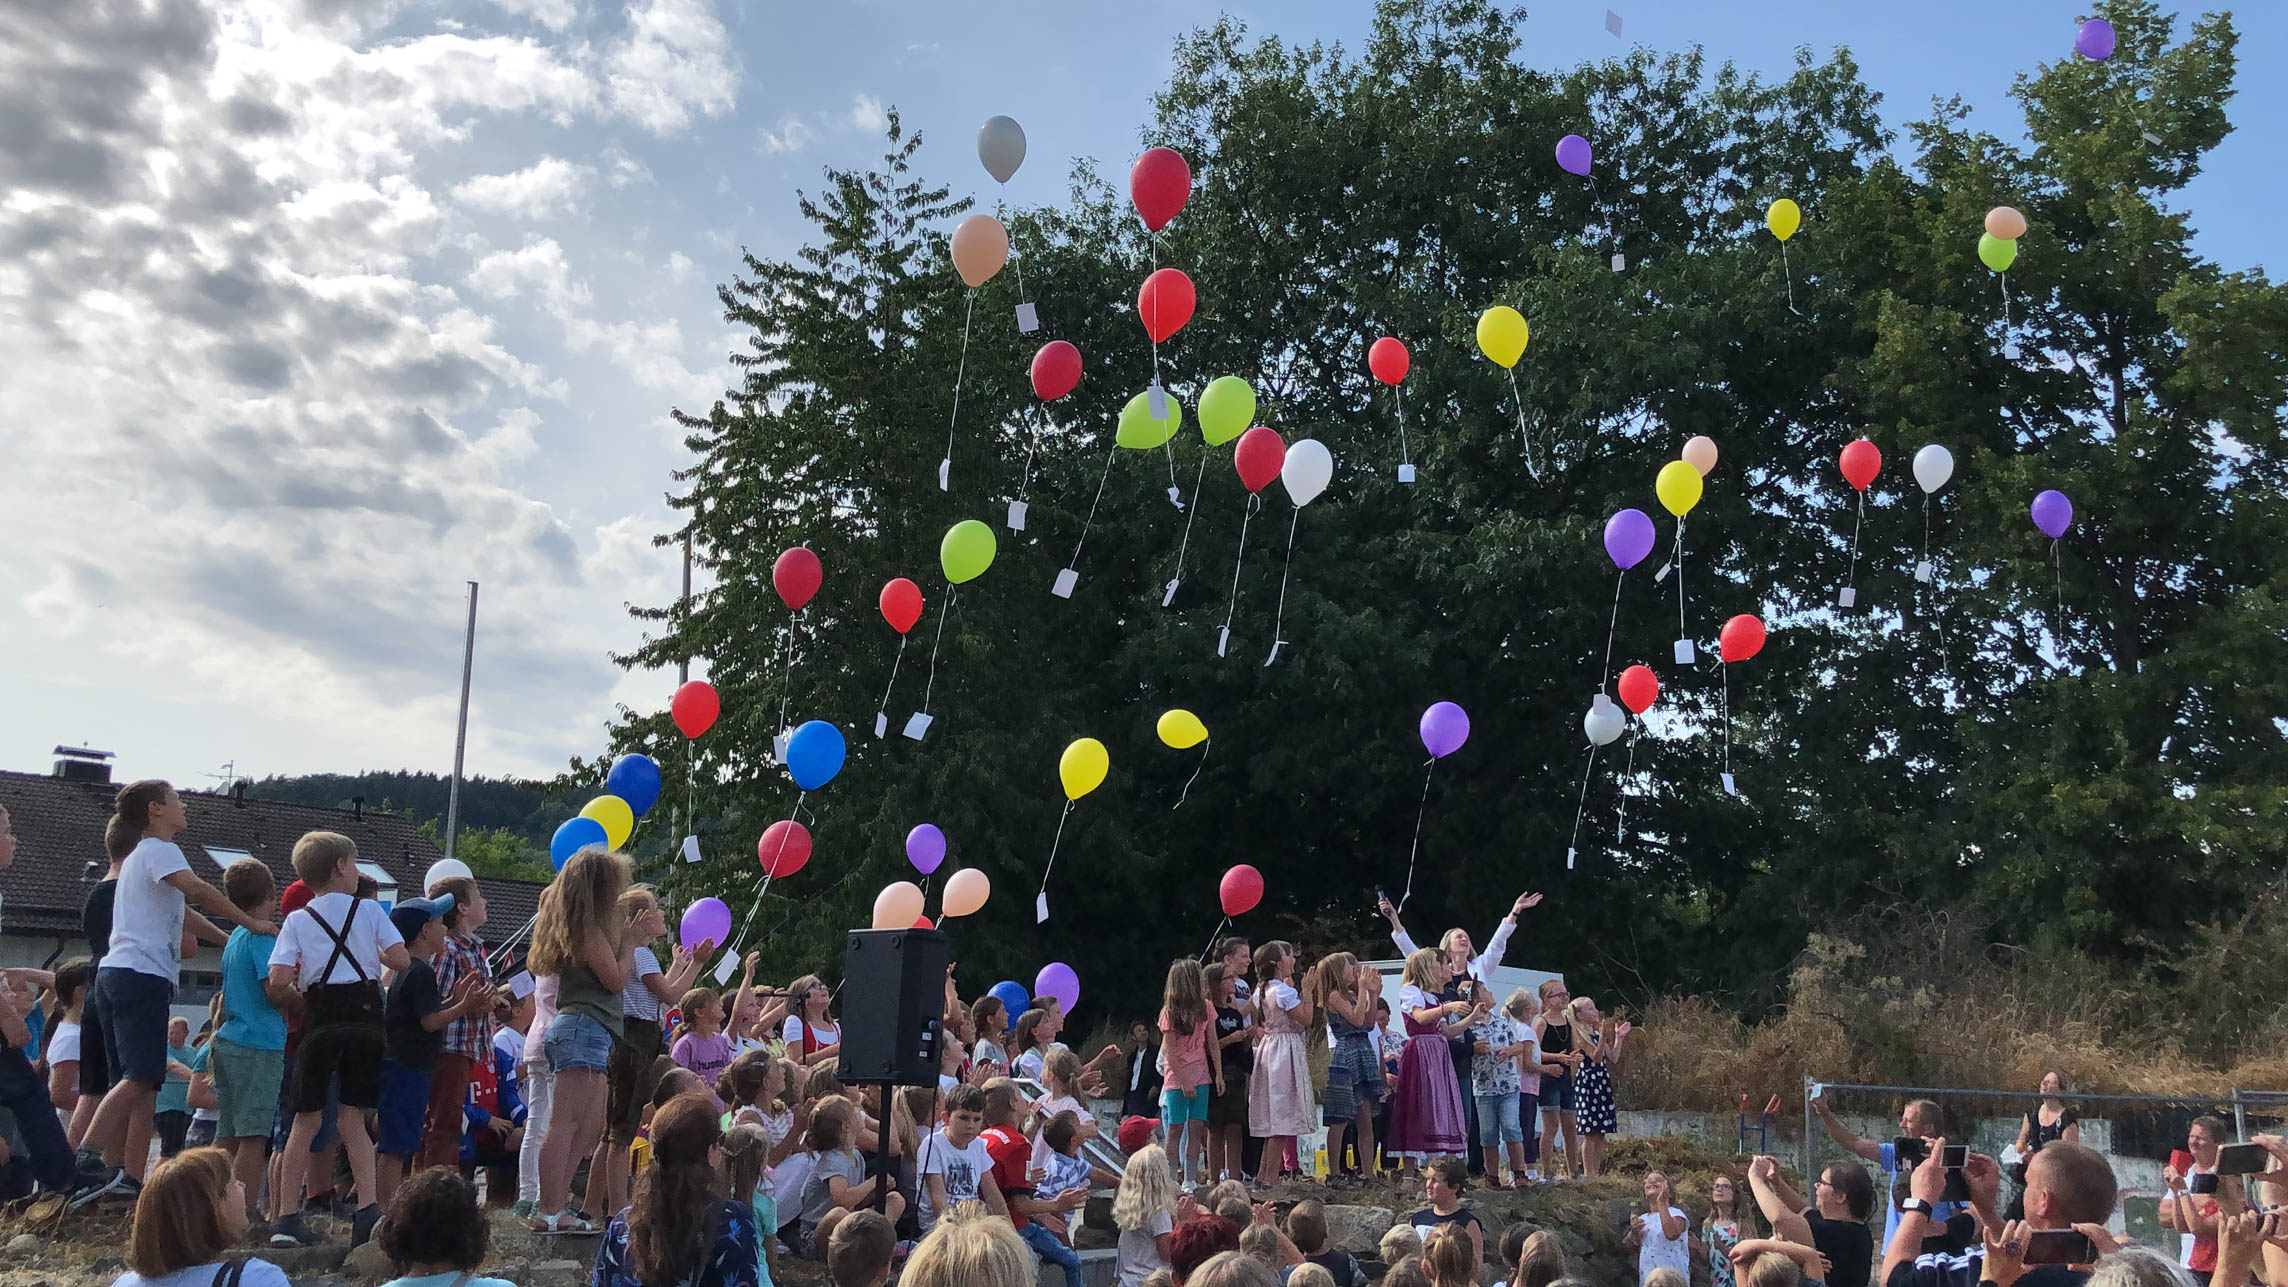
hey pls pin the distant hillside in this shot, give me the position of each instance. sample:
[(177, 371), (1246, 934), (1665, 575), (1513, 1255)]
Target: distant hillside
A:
[(505, 822)]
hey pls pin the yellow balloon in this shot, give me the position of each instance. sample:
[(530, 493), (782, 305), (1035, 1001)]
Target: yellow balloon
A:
[(1502, 334), (1679, 487), (1182, 729), (1783, 218), (1082, 767), (966, 891), (618, 820)]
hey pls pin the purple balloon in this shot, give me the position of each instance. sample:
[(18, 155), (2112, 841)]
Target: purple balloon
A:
[(925, 847), (2053, 513), (706, 921), (1573, 153), (1057, 980), (1628, 538), (2095, 40), (1444, 728)]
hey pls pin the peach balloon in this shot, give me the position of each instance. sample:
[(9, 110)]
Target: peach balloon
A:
[(966, 891), (898, 906), (2006, 224), (980, 247), (1700, 453)]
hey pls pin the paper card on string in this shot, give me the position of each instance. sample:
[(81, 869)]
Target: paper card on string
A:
[(726, 967), (520, 984), (881, 725), (1040, 907), (1923, 571), (1600, 703), (1684, 654), (1620, 262), (779, 745), (1406, 473), (1730, 787), (917, 725), (2151, 137), (1156, 401), (1568, 860), (1847, 597), (1170, 596), (1613, 23), (691, 849), (1066, 580), (1662, 575), (1223, 639), (1016, 516), (1028, 319), (945, 474), (1276, 645), (1175, 496)]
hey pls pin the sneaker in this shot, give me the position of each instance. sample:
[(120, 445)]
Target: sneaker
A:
[(110, 1181), (361, 1224), (290, 1231), (523, 1208), (129, 1190), (87, 1168)]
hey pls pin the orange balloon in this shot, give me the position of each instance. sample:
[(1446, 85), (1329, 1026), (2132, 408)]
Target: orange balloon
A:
[(1700, 453), (980, 247), (2005, 224)]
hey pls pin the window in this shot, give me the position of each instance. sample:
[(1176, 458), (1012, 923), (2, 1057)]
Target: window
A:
[(222, 857), (388, 893)]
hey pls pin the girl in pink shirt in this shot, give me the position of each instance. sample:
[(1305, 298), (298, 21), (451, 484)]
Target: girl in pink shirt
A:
[(1194, 1064)]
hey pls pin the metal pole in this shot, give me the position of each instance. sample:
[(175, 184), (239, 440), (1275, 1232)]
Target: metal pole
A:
[(461, 736), (683, 667), (2239, 1115)]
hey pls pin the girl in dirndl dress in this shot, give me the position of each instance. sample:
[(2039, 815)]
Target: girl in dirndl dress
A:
[(1345, 992), (1426, 1112), (1279, 1101)]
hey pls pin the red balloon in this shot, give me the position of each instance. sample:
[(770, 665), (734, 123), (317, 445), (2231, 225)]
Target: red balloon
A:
[(1861, 462), (784, 848), (1159, 184), (901, 604), (1241, 890), (1056, 369), (796, 576), (1388, 360), (1639, 687), (1741, 638), (923, 922), (1165, 303), (1259, 454), (695, 707)]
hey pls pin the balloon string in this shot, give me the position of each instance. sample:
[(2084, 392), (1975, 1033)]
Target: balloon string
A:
[(1191, 512), (1404, 456), (1254, 500), (1851, 572), (1213, 937), (1790, 281), (1621, 831), (1000, 209), (1085, 523), (501, 953), (958, 372), (943, 613), (1187, 791), (1416, 847), (1725, 668), (1025, 484), (691, 786), (2057, 566), (793, 645), (1524, 434), (1053, 846), (896, 662), (2003, 280), (1581, 805), (1280, 618), (1679, 561), (1611, 628)]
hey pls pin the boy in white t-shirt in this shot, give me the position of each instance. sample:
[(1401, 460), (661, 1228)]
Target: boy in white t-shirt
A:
[(328, 960), (955, 1165)]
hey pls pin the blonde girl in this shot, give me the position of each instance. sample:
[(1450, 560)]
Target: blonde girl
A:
[(1340, 989), (581, 940), (632, 1076), (1145, 1209), (1426, 1118), (1279, 1099), (1722, 1230), (836, 1183), (1599, 1042), (1195, 1063), (746, 1159), (699, 1041)]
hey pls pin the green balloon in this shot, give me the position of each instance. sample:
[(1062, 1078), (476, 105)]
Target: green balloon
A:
[(1139, 430), (966, 551), (1227, 408), (1996, 253)]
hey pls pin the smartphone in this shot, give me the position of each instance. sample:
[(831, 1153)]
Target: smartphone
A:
[(1910, 1150), (2206, 1182), (2060, 1247), (1379, 897), (2243, 1159), (1954, 1156)]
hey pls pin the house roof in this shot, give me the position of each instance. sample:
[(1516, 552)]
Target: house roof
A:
[(59, 849)]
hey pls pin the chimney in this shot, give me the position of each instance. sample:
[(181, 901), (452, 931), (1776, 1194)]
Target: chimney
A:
[(238, 792), (80, 764), (357, 807)]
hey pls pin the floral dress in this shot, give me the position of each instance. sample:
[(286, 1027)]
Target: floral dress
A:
[(1593, 1090), (1721, 1238), (733, 1262)]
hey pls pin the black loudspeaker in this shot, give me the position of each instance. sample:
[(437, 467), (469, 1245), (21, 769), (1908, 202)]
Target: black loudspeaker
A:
[(893, 1001)]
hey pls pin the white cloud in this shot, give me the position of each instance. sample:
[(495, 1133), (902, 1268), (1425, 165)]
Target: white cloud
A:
[(625, 170), (867, 114), (674, 61), (555, 15), (548, 187), (791, 135)]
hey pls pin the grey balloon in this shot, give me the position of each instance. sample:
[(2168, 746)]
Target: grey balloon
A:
[(1001, 146)]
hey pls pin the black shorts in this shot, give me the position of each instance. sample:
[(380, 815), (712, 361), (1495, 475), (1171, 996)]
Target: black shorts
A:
[(351, 1053), (630, 1076), (1229, 1108), (94, 1065)]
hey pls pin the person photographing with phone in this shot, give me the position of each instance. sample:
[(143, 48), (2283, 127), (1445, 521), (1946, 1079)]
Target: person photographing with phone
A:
[(2070, 1193), (2191, 1207), (1919, 1123)]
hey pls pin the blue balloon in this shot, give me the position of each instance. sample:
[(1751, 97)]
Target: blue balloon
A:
[(635, 779), (1014, 999), (575, 835), (814, 754)]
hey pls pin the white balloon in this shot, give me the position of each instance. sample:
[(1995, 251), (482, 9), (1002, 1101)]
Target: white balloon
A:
[(1933, 466), (1001, 147), (1309, 468), (1604, 723), (445, 869)]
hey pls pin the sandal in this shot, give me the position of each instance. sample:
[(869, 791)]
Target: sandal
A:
[(562, 1222)]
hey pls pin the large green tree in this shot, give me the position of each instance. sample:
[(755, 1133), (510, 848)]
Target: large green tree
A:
[(2093, 752)]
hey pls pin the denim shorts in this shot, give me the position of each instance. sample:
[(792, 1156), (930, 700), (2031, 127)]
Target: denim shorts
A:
[(578, 1041), (404, 1102), (1498, 1121), (135, 1013), (1178, 1107), (1557, 1095)]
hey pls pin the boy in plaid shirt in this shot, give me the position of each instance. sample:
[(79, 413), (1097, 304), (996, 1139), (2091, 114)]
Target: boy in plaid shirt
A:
[(469, 1039)]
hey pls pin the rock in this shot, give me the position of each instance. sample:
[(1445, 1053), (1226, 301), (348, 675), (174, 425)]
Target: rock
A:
[(23, 1244), (368, 1264), (557, 1273), (306, 1262), (1358, 1229)]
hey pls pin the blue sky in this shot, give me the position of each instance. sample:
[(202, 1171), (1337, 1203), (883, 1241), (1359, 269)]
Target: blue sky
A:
[(320, 308)]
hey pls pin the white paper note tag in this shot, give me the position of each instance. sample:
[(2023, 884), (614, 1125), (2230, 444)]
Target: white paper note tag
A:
[(1684, 654), (1175, 496), (1170, 596), (2010, 349), (1730, 787), (917, 725), (2151, 137), (1620, 262), (1601, 703), (779, 745), (1276, 645), (1568, 860), (881, 725), (1040, 907), (1156, 401), (1223, 639), (1847, 597), (1028, 319), (1662, 575), (1016, 516), (1066, 580), (1406, 473), (1612, 22), (1923, 571), (945, 474), (691, 849), (520, 984), (726, 967)]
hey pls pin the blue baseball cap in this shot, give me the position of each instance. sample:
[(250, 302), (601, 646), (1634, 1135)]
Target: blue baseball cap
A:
[(412, 915)]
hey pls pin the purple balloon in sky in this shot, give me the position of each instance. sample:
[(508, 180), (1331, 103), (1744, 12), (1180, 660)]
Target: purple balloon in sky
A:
[(706, 921), (2095, 39), (1057, 979), (1444, 729), (2053, 513), (1573, 152), (925, 847), (1628, 538)]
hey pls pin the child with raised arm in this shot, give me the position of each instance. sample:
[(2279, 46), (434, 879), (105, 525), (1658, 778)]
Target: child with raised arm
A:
[(1339, 988)]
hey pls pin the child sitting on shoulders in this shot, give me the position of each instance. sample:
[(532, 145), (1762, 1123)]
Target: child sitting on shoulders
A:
[(434, 1235)]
